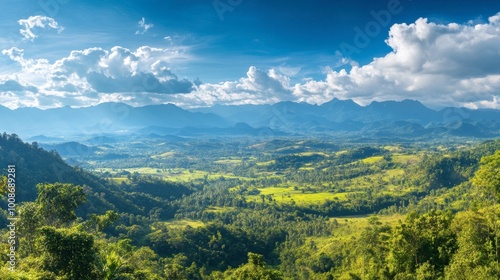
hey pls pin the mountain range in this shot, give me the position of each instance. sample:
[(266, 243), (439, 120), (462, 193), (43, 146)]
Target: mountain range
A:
[(407, 118)]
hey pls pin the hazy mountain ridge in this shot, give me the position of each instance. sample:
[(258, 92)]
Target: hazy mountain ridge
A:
[(101, 119), (407, 118), (70, 148)]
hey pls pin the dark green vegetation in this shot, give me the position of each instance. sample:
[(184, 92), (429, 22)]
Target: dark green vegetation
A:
[(278, 208)]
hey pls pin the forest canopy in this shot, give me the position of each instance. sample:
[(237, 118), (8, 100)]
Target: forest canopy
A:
[(324, 212)]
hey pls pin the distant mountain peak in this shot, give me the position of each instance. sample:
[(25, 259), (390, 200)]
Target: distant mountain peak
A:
[(406, 103), (335, 100), (341, 103), (334, 116), (412, 101)]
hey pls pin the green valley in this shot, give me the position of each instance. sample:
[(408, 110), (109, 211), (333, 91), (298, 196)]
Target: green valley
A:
[(278, 208)]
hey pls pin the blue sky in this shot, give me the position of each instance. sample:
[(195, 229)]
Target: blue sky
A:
[(204, 52)]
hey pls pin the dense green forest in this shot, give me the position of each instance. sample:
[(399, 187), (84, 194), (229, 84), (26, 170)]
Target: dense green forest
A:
[(279, 208)]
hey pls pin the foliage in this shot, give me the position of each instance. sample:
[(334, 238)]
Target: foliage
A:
[(255, 269), (57, 202), (68, 253), (3, 185), (404, 211), (488, 174)]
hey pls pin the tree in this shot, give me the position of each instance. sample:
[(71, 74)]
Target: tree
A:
[(371, 250), (57, 202), (474, 258), (29, 222), (488, 174), (422, 239), (3, 185), (68, 253), (178, 268), (255, 269), (487, 178), (100, 222), (112, 266)]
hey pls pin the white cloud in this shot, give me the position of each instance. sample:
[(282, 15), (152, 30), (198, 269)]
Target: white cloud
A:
[(258, 87), (494, 19), (438, 64), (33, 22), (90, 76), (143, 26), (122, 70)]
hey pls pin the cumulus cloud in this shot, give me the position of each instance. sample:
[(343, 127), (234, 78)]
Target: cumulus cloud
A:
[(37, 22), (142, 82), (438, 64), (27, 65), (122, 70), (92, 74), (143, 26), (258, 87)]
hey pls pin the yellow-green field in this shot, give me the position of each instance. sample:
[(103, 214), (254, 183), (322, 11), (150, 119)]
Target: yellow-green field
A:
[(307, 166), (175, 175), (371, 160), (289, 195), (266, 163), (179, 224), (405, 159), (229, 161), (393, 148), (164, 155), (394, 173), (348, 228), (217, 209), (306, 154)]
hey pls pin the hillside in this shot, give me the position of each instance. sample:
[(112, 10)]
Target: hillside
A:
[(285, 207), (35, 165)]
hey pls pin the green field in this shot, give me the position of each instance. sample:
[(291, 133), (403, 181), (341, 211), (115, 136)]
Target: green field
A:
[(290, 195), (174, 175), (228, 161), (178, 224), (350, 228), (406, 159), (164, 155)]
